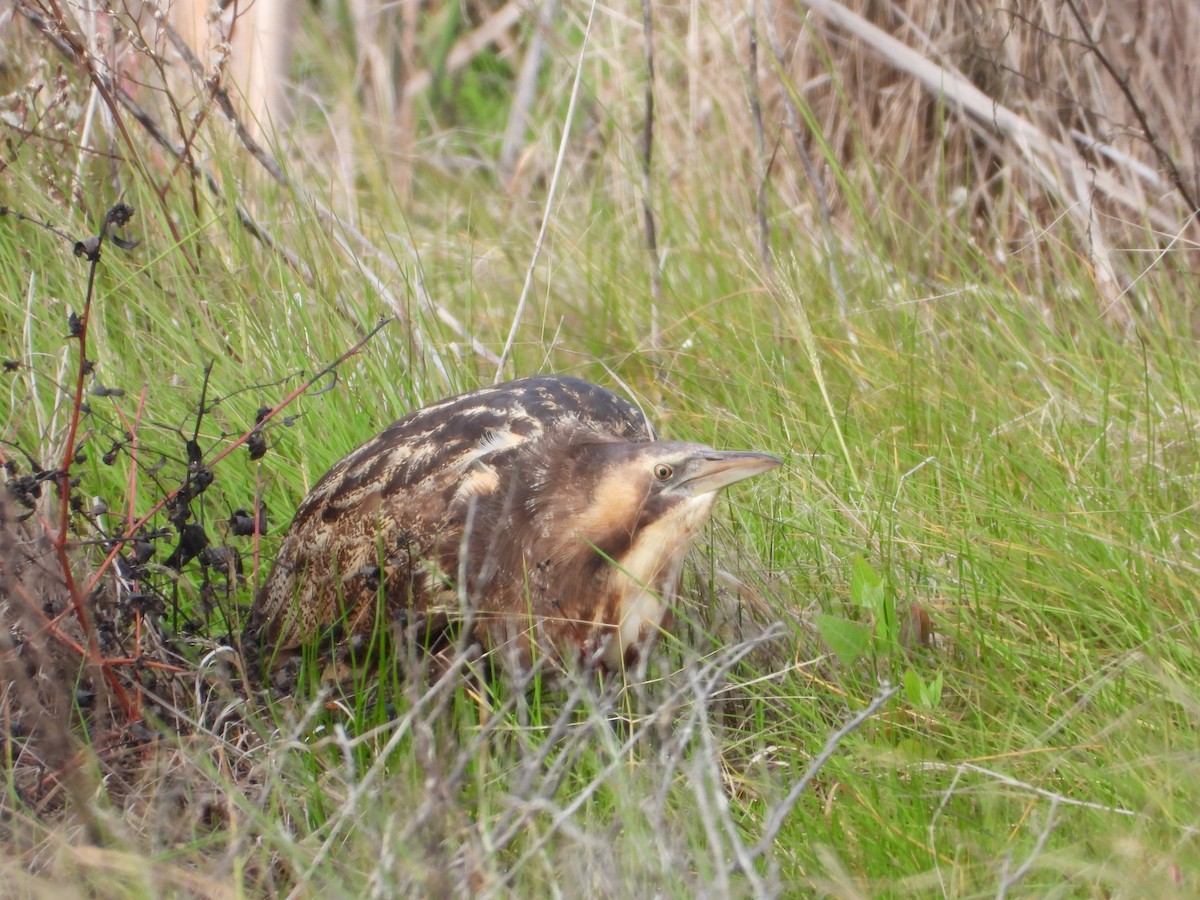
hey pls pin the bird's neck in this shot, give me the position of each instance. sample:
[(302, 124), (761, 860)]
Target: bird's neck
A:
[(645, 580)]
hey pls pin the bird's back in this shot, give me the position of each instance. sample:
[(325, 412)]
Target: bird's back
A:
[(391, 514)]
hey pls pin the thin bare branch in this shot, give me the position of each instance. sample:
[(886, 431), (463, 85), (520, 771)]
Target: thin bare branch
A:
[(1122, 81), (1011, 879), (779, 814), (755, 97), (647, 152)]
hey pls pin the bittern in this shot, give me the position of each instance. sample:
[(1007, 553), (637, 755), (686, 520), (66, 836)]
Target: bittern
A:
[(543, 513)]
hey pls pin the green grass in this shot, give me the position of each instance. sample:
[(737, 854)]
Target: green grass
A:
[(977, 433)]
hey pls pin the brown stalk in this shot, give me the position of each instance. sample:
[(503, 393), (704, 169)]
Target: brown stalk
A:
[(755, 96), (647, 153), (58, 538)]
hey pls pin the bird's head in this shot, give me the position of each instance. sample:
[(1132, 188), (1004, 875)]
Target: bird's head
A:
[(638, 504)]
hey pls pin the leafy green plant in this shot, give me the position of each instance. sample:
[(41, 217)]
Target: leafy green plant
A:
[(922, 693), (879, 634)]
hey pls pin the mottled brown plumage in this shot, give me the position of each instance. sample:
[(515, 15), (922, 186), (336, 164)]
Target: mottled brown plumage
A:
[(543, 511)]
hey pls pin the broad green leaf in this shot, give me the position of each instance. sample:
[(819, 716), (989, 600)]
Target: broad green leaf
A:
[(866, 587), (848, 640), (927, 696)]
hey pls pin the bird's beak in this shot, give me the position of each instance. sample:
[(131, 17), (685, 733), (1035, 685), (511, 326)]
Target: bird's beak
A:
[(714, 469)]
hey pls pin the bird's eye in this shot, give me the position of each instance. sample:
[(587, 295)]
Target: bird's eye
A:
[(662, 471)]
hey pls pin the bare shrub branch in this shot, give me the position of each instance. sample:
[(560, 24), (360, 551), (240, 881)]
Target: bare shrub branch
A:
[(1122, 81)]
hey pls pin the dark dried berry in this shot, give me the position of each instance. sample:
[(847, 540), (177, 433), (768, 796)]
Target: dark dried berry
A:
[(256, 443), (145, 603), (242, 523), (201, 478), (119, 215), (178, 512), (223, 558), (192, 540), (141, 551), (24, 490), (74, 325), (11, 365), (88, 248), (261, 414)]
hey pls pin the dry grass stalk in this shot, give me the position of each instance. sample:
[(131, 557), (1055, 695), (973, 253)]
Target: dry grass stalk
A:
[(252, 43), (997, 121)]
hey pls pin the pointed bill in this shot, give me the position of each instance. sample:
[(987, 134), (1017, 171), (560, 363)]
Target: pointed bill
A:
[(714, 469)]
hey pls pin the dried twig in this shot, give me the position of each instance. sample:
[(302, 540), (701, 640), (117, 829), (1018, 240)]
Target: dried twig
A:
[(1010, 879), (441, 689), (49, 19), (1038, 148), (1045, 156), (89, 248), (715, 810), (647, 150), (58, 34), (1122, 81), (132, 531), (779, 814), (364, 243), (755, 97), (712, 673), (1056, 800)]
